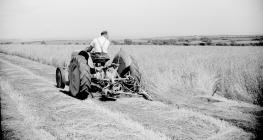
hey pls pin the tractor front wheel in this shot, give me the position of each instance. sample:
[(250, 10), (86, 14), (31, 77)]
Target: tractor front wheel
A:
[(60, 78)]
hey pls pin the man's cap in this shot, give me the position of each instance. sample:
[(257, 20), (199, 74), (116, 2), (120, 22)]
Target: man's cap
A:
[(104, 32)]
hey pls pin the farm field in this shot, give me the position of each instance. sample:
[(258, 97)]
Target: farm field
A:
[(232, 72), (181, 80)]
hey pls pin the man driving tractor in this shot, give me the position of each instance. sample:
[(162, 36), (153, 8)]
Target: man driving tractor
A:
[(88, 73), (99, 46)]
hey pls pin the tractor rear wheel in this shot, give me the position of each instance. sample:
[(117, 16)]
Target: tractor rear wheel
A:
[(135, 71), (128, 64), (79, 77)]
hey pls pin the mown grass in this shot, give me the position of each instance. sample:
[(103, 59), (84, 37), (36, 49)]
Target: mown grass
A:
[(184, 124), (233, 72)]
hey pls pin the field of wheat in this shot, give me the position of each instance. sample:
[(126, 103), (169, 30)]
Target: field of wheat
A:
[(232, 72)]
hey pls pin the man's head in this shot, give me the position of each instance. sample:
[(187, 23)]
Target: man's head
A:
[(105, 34)]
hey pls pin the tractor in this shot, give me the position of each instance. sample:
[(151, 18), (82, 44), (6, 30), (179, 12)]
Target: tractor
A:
[(90, 74)]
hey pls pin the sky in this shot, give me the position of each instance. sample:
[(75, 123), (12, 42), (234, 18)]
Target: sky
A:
[(85, 19)]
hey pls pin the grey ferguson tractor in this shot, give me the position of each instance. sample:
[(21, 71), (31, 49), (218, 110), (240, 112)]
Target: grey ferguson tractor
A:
[(90, 74)]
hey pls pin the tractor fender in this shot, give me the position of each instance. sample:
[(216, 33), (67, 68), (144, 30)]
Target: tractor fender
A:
[(87, 57)]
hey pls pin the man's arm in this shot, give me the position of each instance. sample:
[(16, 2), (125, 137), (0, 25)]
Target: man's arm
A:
[(90, 47)]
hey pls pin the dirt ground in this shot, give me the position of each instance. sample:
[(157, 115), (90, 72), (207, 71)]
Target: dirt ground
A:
[(33, 108)]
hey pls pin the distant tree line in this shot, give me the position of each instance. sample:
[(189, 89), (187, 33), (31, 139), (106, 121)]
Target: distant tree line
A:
[(180, 41), (6, 43), (203, 41)]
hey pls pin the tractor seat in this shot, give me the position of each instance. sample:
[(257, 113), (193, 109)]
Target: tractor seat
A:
[(100, 57)]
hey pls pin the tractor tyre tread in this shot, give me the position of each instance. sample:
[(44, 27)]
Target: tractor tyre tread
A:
[(85, 76)]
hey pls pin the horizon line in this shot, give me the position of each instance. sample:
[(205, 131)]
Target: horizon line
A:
[(133, 37)]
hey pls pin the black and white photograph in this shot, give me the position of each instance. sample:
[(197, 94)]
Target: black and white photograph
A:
[(131, 69)]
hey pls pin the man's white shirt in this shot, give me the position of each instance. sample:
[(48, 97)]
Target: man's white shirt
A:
[(100, 44)]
